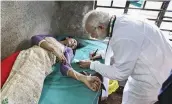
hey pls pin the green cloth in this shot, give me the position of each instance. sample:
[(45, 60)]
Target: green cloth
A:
[(59, 89), (137, 3)]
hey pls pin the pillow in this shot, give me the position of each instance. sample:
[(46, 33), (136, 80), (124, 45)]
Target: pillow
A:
[(6, 66), (89, 46)]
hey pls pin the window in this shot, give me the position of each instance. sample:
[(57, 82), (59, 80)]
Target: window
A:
[(158, 12)]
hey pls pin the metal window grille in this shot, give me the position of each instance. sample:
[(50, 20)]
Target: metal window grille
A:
[(158, 20)]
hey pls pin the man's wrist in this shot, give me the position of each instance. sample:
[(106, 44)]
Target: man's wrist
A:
[(92, 65)]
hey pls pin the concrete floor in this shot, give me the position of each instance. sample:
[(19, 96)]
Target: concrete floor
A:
[(114, 98)]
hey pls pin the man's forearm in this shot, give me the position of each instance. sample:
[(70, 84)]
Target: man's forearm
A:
[(109, 71)]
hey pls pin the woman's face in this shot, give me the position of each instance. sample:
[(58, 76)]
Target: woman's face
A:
[(72, 43)]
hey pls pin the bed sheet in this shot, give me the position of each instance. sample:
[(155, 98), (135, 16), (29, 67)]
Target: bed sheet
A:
[(59, 89)]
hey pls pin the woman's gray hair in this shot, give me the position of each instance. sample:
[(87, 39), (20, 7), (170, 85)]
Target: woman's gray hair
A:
[(94, 18)]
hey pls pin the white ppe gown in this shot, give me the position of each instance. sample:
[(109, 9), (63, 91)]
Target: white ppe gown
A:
[(142, 55)]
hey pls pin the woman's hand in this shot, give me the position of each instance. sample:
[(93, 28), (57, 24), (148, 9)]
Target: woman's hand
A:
[(92, 82), (60, 55), (55, 50)]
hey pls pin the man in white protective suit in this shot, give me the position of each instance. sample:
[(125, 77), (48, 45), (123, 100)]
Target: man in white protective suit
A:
[(139, 51)]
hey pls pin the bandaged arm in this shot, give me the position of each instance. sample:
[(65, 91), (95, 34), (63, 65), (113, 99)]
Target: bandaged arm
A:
[(125, 54)]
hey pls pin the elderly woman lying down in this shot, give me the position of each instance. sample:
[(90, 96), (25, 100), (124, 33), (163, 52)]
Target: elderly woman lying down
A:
[(25, 82), (65, 50)]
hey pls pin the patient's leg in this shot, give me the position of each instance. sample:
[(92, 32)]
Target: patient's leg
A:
[(25, 81)]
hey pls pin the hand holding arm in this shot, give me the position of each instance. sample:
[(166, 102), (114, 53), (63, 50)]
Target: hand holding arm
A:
[(40, 41)]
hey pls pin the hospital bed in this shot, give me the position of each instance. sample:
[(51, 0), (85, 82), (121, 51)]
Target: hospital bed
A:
[(59, 89)]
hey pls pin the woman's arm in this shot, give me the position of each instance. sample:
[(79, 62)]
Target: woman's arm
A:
[(91, 82), (47, 46), (66, 69), (40, 41)]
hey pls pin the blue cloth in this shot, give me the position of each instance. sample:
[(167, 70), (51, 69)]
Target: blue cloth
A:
[(59, 89)]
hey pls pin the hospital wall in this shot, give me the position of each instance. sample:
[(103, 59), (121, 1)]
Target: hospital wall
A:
[(20, 20)]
